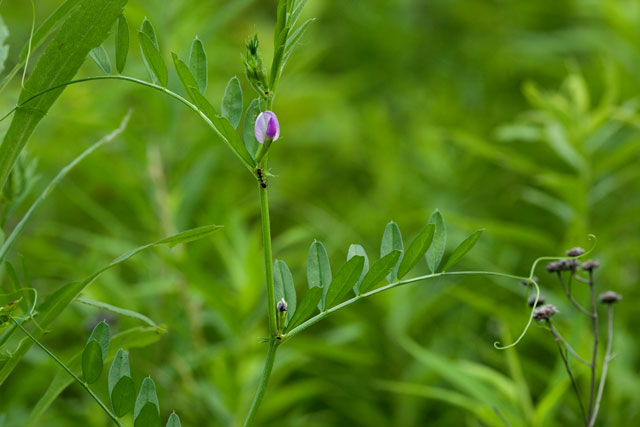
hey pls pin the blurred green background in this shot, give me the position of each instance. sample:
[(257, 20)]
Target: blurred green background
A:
[(518, 117)]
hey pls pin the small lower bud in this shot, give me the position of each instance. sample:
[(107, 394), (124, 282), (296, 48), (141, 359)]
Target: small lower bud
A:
[(541, 300), (281, 306)]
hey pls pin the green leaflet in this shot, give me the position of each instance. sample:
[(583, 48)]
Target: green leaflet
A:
[(319, 270), (439, 244), (123, 396), (147, 409), (416, 250), (359, 250), (379, 270), (198, 64), (101, 58), (231, 106), (92, 362), (462, 249), (54, 305), (134, 337), (284, 287), (306, 307), (85, 28), (153, 60), (344, 280), (392, 241), (122, 42), (174, 420)]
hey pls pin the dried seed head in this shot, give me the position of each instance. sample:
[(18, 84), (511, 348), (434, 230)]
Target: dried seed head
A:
[(545, 312), (541, 300), (528, 282), (609, 297), (281, 306), (590, 265), (575, 252)]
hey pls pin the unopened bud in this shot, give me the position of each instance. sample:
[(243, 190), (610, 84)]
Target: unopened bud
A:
[(281, 306), (590, 265), (541, 300), (267, 127), (609, 297), (575, 252), (545, 312)]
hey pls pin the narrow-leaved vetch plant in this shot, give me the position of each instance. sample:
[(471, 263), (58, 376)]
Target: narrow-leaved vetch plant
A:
[(329, 289)]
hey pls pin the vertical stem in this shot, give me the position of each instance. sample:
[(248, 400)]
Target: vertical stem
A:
[(268, 257), (605, 366), (70, 372), (594, 357), (257, 400), (271, 303)]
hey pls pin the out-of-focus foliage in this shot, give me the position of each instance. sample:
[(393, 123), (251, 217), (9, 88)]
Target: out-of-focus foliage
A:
[(517, 117)]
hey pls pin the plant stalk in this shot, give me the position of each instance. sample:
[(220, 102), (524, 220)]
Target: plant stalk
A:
[(592, 387), (266, 373)]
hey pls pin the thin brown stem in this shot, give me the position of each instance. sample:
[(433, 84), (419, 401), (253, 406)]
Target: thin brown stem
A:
[(573, 381), (605, 365), (592, 386), (571, 298)]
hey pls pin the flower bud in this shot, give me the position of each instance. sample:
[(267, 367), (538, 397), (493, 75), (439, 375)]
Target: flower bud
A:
[(590, 265), (541, 300), (573, 252), (267, 127), (281, 306), (609, 297), (545, 312)]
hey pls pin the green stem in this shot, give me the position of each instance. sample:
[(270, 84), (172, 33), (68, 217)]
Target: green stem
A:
[(257, 400), (70, 372), (268, 258)]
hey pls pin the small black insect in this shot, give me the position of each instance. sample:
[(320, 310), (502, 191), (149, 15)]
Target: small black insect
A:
[(263, 183)]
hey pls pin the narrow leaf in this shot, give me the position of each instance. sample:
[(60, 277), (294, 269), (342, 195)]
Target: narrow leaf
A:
[(359, 250), (284, 287), (318, 269), (153, 60), (119, 368), (146, 395), (4, 49), (101, 58), (231, 107), (123, 396), (190, 235), (435, 252), (92, 361), (148, 29), (174, 420), (117, 310), (249, 136), (198, 64), (186, 78), (122, 42), (417, 249), (392, 241), (344, 280), (306, 307), (462, 249), (379, 270)]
